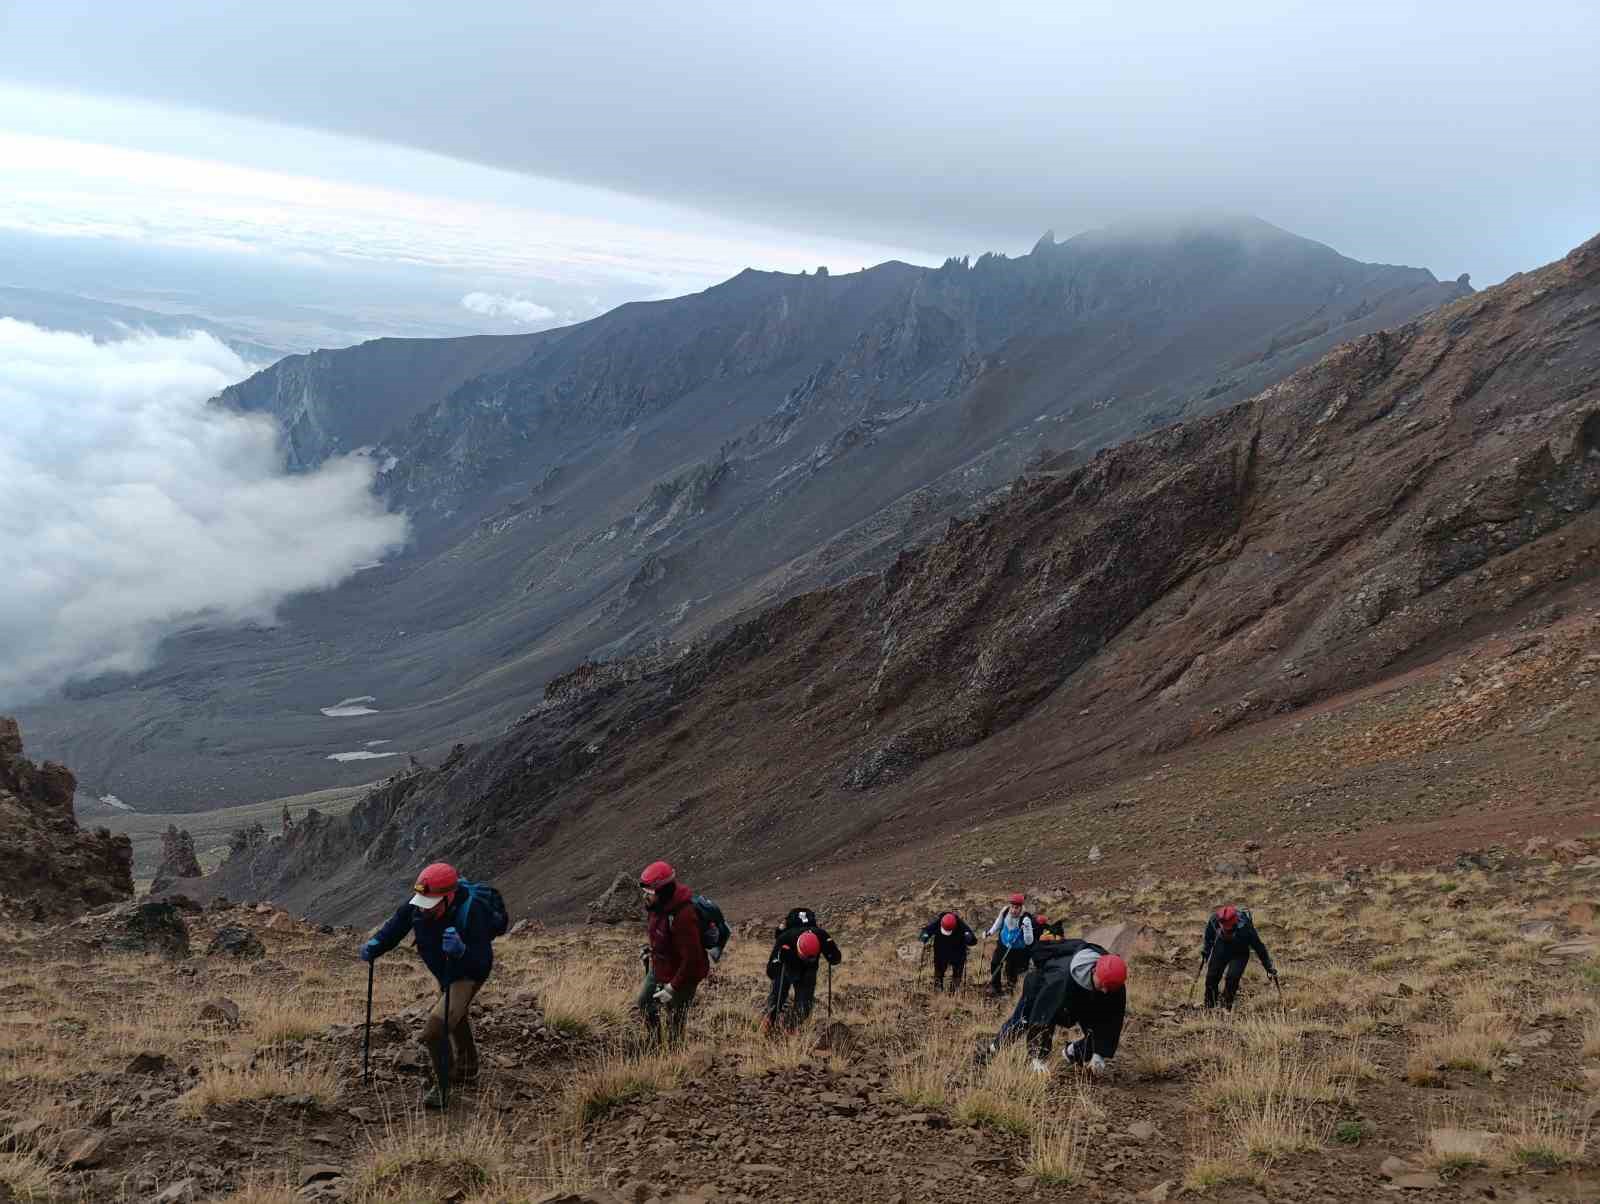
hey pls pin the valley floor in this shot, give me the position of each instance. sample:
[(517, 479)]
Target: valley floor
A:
[(1438, 1033)]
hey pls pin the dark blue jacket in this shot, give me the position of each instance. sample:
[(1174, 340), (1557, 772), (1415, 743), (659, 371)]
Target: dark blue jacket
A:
[(474, 964)]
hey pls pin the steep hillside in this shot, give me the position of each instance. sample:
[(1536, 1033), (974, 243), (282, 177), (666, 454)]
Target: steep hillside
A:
[(653, 473), (52, 868), (1409, 489)]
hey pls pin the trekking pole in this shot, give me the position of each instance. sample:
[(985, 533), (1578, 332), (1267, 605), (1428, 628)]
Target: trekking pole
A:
[(830, 990), (366, 1040), (921, 961), (444, 1075), (1196, 979)]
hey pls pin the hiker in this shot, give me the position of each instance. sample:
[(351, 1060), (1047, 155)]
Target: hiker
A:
[(1230, 936), (1072, 982), (1013, 933), (675, 962), (793, 964), (455, 923), (951, 938), (1044, 930)]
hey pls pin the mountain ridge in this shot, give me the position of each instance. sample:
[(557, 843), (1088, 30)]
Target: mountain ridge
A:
[(1350, 519)]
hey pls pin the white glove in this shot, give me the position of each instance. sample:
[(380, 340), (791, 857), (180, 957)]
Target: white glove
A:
[(664, 995), (1069, 1051), (1039, 1067), (715, 954), (1097, 1064)]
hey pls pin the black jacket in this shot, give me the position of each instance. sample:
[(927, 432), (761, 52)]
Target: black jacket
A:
[(1051, 996), (784, 957), (952, 948), (1239, 943)]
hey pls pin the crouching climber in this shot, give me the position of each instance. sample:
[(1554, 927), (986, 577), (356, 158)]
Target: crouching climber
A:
[(950, 937), (675, 962), (792, 965), (455, 923), (1072, 982)]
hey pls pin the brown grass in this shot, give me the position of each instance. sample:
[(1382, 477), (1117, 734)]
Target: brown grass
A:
[(221, 1086)]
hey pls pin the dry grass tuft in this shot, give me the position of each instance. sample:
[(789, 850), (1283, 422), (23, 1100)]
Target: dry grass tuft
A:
[(26, 1176), (1008, 1094), (583, 997), (221, 1086), (616, 1079), (1056, 1151), (417, 1160), (1545, 1136)]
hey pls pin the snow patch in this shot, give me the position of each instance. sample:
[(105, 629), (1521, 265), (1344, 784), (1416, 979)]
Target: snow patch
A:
[(347, 707), (362, 754)]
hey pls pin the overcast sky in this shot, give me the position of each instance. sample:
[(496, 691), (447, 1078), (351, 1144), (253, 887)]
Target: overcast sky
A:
[(640, 150)]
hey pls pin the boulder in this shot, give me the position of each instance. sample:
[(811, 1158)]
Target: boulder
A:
[(177, 860), (220, 1011), (1124, 938), (237, 942), (619, 904), (148, 926)]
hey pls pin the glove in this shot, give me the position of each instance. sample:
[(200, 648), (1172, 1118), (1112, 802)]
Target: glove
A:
[(926, 937), (1097, 1064), (369, 951), (664, 995), (715, 955), (1038, 1067), (453, 945)]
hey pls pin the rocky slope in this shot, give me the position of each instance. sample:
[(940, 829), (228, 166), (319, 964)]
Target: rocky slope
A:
[(52, 868), (653, 473), (1354, 519)]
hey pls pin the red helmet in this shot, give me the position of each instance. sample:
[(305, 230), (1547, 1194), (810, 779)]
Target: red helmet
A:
[(656, 875), (1040, 921), (947, 922), (1228, 917), (1017, 898), (1110, 972), (808, 946), (435, 884)]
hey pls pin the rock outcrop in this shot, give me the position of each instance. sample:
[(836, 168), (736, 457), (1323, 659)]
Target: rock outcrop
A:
[(178, 860), (52, 867)]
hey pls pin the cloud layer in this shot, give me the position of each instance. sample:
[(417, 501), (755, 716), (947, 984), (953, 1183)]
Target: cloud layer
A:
[(515, 309), (129, 508)]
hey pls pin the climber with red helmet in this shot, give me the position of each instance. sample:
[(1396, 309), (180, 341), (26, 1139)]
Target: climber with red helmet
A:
[(455, 938), (1072, 982), (676, 961), (792, 966), (951, 938), (1014, 936), (1230, 937)]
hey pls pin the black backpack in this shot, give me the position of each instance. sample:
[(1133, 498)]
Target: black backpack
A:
[(714, 930), (482, 892)]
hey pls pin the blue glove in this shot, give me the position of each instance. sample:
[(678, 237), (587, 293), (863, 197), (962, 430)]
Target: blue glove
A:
[(369, 951), (454, 946)]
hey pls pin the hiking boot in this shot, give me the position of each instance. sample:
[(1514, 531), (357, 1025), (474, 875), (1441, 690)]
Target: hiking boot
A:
[(434, 1099)]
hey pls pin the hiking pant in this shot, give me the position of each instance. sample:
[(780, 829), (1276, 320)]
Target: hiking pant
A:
[(677, 1010), (1234, 967), (804, 985), (957, 966), (1013, 962), (463, 1049)]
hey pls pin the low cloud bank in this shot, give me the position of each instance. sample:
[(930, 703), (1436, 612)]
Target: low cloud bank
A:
[(129, 508), (514, 309)]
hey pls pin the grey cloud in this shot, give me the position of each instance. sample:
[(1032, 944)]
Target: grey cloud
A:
[(130, 507), (1458, 136)]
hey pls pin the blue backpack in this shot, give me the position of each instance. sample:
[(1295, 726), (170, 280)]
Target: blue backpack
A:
[(489, 897)]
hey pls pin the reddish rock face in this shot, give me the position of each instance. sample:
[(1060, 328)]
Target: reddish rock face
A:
[(52, 867)]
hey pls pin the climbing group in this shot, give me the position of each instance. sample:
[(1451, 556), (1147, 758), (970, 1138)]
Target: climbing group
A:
[(1066, 982)]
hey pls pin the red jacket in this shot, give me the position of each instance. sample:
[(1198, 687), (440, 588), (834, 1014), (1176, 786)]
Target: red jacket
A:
[(677, 956)]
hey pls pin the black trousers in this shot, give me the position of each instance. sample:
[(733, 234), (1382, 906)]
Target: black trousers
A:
[(957, 966), (1233, 968), (802, 983), (1013, 962)]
